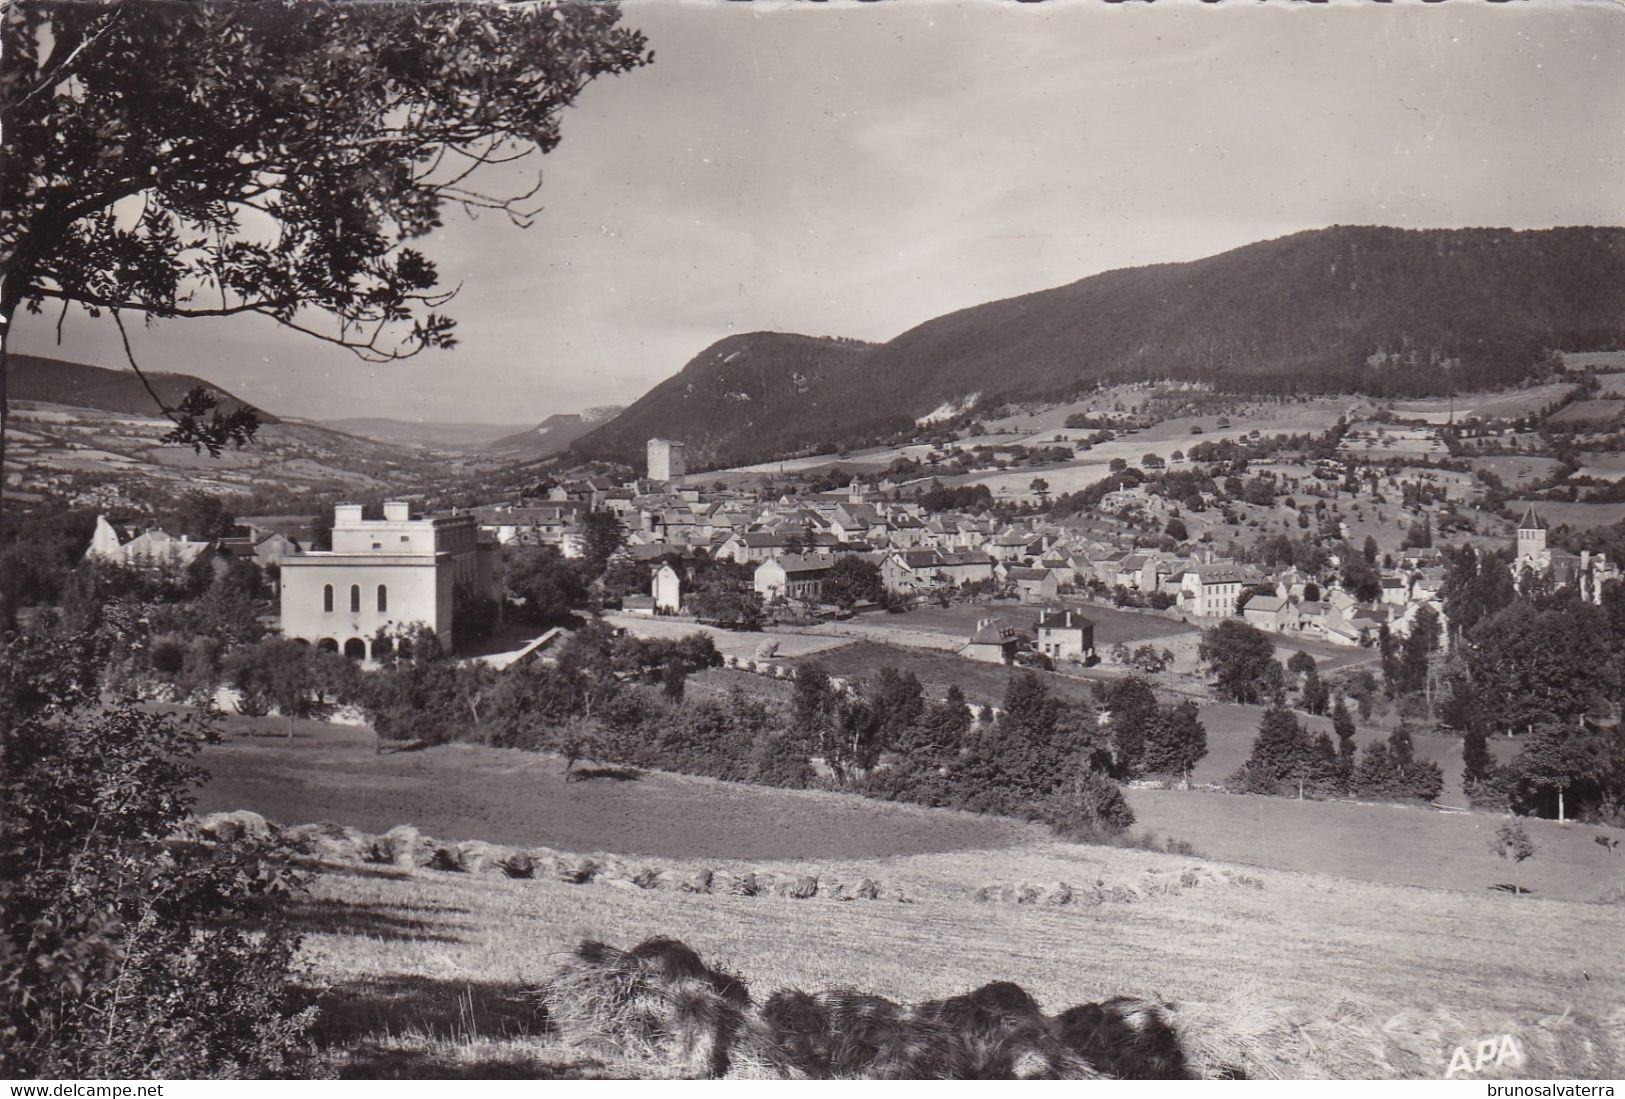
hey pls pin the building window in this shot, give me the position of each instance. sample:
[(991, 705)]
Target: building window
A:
[(355, 598), (327, 598), (383, 599)]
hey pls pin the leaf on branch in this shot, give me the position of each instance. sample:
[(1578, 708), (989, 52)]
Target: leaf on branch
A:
[(201, 424)]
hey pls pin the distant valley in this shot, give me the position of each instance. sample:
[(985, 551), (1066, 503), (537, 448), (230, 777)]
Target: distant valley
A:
[(425, 433), (553, 435)]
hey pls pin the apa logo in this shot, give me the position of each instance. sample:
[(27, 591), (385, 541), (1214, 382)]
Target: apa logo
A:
[(1488, 1051)]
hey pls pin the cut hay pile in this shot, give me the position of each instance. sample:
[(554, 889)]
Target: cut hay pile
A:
[(406, 848), (658, 1010), (656, 1005), (1152, 883)]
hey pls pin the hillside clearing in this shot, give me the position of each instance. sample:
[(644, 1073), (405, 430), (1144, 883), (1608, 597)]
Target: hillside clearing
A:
[(422, 970), (462, 791), (459, 792)]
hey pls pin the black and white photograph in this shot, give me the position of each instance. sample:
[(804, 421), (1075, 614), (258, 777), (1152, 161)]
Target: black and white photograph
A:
[(687, 540)]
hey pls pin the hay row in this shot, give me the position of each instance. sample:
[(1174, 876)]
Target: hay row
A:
[(406, 848), (658, 1010), (1153, 883)]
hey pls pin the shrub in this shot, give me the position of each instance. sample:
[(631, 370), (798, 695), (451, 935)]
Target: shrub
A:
[(1088, 807), (129, 955)]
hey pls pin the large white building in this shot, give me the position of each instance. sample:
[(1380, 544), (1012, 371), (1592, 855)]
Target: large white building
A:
[(385, 576), (668, 460)]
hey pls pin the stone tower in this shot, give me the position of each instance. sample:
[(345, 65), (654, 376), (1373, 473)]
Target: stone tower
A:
[(668, 460), (1531, 540)]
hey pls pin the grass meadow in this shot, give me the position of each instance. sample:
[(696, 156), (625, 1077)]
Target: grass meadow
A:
[(507, 796), (421, 973), (1580, 516)]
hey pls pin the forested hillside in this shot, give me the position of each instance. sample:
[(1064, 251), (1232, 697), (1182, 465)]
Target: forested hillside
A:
[(1350, 308)]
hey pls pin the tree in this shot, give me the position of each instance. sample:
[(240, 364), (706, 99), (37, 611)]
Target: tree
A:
[(1282, 753), (1300, 664), (1176, 529), (722, 595), (1039, 488), (672, 680), (898, 700), (546, 585), (201, 516), (1134, 718), (149, 148), (124, 958), (1480, 774), (1420, 644), (1343, 726), (853, 580), (1512, 842), (1242, 660), (1361, 578), (602, 535), (1177, 741), (275, 672), (1557, 759), (1533, 665), (1420, 535), (1315, 693), (1087, 807)]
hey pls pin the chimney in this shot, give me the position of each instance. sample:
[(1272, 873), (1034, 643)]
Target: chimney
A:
[(397, 511)]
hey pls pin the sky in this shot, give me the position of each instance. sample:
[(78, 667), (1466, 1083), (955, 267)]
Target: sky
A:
[(855, 170)]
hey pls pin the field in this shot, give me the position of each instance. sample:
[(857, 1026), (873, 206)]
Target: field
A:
[(1604, 412), (982, 683), (1579, 516), (1111, 625), (1603, 466), (463, 792), (1517, 470), (1387, 907), (1503, 405), (1045, 426)]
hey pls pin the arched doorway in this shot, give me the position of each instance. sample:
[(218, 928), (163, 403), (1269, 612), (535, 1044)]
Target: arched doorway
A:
[(403, 651), (327, 645), (355, 649), (382, 647)]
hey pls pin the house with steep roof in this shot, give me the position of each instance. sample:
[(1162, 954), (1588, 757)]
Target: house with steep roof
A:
[(1267, 612), (910, 571), (994, 641), (151, 549), (1066, 635), (1211, 591), (1033, 585), (793, 576), (666, 588)]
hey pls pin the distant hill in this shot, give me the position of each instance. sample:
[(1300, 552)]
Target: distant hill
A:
[(1372, 309), (57, 381), (553, 435), (427, 433), (749, 395)]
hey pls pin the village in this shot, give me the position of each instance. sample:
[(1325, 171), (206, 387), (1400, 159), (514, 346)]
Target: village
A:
[(836, 561)]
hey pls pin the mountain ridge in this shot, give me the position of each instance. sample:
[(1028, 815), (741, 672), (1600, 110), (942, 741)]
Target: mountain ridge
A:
[(1348, 308), (82, 385)]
